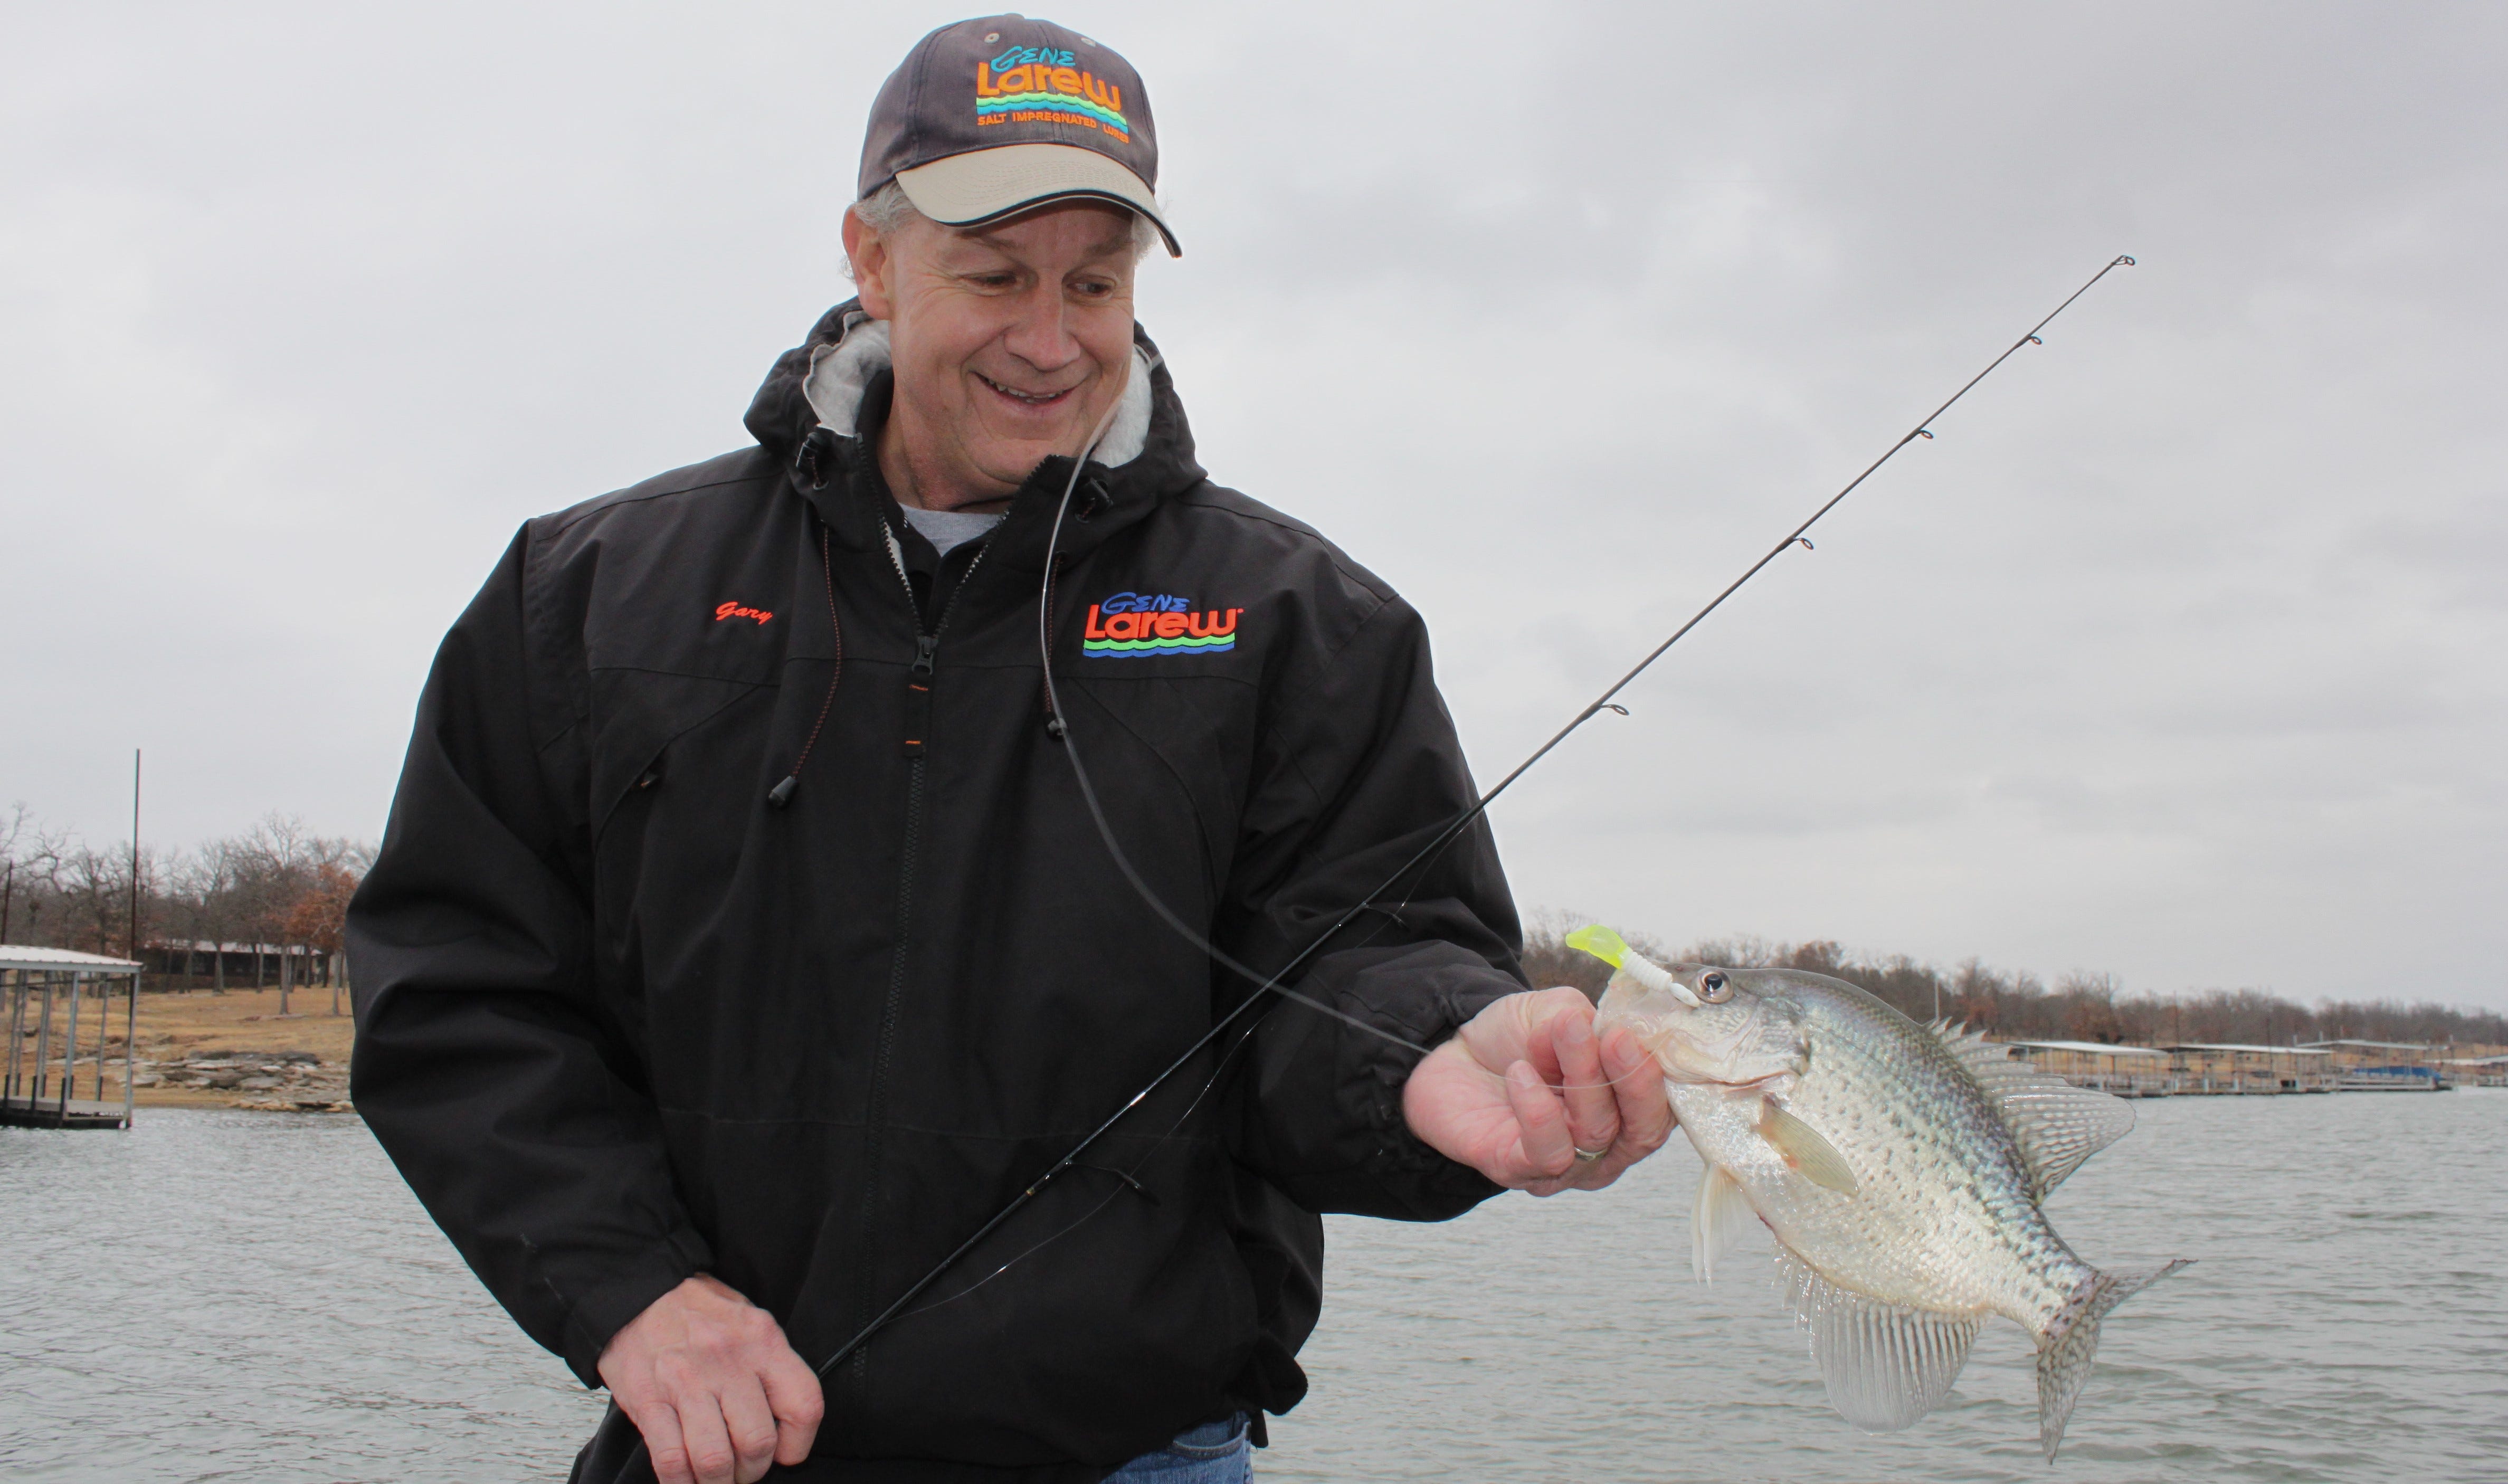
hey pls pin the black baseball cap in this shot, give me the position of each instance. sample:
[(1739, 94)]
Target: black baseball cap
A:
[(989, 118)]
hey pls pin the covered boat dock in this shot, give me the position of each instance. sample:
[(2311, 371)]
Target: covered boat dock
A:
[(59, 1002), (2481, 1071), (2127, 1071), (2385, 1066), (2224, 1068)]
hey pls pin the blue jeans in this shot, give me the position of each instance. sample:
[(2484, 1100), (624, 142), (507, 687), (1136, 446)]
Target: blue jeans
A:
[(1214, 1452)]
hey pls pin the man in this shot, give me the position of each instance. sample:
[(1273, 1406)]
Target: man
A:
[(740, 940)]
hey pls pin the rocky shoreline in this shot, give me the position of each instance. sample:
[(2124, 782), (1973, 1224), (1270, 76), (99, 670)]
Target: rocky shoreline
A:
[(269, 1082)]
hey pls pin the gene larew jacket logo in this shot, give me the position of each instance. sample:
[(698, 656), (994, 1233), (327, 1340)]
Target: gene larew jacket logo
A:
[(1132, 625)]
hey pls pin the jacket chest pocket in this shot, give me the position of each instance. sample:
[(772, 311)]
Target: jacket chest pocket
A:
[(673, 764)]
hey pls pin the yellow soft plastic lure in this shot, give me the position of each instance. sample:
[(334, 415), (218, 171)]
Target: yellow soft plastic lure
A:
[(1613, 950), (1601, 941)]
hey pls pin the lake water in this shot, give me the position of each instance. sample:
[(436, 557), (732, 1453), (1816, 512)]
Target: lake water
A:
[(256, 1297)]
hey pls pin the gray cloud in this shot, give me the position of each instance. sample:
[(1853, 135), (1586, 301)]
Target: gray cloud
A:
[(2176, 654)]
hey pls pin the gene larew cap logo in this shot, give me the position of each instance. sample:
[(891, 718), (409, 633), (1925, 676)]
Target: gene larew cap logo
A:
[(1134, 625), (1038, 85)]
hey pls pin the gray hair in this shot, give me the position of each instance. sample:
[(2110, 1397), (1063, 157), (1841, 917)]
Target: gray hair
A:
[(887, 211)]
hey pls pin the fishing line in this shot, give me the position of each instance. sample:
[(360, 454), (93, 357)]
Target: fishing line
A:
[(1268, 984)]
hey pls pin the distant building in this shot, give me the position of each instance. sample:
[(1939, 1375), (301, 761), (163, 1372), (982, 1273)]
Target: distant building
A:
[(2481, 1071), (2385, 1066), (2218, 1066), (2127, 1071)]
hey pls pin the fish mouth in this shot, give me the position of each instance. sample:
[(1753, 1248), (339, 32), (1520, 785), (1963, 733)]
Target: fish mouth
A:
[(1724, 1060), (1773, 1083)]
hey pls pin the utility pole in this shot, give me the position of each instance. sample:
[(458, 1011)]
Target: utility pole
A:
[(132, 937)]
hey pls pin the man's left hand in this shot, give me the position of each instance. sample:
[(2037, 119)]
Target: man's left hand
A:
[(1526, 1086)]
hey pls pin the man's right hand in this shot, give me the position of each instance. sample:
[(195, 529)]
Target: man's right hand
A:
[(707, 1378)]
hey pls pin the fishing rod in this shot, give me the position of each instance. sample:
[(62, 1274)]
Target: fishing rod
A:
[(1272, 984)]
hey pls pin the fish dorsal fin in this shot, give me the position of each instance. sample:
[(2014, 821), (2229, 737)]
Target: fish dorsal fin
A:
[(1886, 1365), (2056, 1125), (1719, 1219), (1805, 1148)]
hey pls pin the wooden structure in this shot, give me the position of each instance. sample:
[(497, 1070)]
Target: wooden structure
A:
[(187, 963), (44, 990), (2127, 1071), (2223, 1068), (2385, 1066), (2480, 1071)]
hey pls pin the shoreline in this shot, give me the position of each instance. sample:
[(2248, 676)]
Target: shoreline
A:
[(198, 1049)]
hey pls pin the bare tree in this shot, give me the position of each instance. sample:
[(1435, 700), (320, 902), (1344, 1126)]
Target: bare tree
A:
[(320, 919), (2082, 1005)]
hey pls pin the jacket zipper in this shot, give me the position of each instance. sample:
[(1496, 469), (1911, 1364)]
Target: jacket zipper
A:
[(1052, 617), (918, 714)]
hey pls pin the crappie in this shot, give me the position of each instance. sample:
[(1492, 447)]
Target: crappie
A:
[(1900, 1169)]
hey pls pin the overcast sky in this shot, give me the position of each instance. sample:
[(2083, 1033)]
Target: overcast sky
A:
[(2177, 655)]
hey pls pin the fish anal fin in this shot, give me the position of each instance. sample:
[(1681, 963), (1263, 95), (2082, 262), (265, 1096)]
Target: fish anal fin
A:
[(2071, 1344), (2055, 1125), (1720, 1218), (1810, 1154), (1886, 1365)]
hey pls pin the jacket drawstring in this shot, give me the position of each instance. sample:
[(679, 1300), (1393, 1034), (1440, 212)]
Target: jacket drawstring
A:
[(782, 794)]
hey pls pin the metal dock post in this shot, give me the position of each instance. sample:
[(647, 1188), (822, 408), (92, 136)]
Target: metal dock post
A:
[(43, 1047), (70, 1050), (129, 1049), (16, 1033)]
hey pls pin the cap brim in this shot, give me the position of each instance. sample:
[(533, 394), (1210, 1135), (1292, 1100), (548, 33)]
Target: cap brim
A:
[(986, 185)]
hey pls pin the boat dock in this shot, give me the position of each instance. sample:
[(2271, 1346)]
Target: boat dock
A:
[(45, 990), (2216, 1069), (2389, 1066), (2127, 1071), (2479, 1071)]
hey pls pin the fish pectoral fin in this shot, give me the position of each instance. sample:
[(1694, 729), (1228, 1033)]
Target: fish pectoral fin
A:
[(1719, 1219), (1804, 1149), (1886, 1365)]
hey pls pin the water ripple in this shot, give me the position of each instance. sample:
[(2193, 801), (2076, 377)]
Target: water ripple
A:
[(236, 1296), (242, 1296), (2344, 1322)]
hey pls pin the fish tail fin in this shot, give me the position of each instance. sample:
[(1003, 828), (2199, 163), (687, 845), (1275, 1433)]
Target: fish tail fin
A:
[(2068, 1346)]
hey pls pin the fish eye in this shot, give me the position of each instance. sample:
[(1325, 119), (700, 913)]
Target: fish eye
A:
[(1714, 988)]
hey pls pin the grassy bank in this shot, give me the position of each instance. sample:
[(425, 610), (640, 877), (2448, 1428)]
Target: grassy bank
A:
[(189, 1042)]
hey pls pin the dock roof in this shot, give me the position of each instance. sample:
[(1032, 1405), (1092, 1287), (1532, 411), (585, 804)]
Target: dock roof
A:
[(2418, 1046), (2088, 1048), (63, 961), (2229, 1046)]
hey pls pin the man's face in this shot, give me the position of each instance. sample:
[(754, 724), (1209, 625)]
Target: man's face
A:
[(1008, 341)]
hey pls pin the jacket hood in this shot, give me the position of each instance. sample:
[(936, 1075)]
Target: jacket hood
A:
[(809, 405)]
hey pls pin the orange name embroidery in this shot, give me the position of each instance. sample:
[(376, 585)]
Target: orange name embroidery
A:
[(735, 611)]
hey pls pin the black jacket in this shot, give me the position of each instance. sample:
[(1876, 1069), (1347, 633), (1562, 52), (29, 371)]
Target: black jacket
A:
[(621, 1019)]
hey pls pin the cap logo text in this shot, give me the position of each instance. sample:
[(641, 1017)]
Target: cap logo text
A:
[(1038, 85)]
